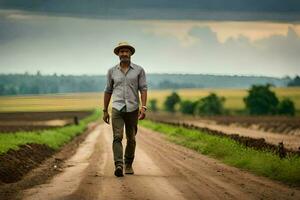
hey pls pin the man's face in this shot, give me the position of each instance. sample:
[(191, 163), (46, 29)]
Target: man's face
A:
[(124, 55)]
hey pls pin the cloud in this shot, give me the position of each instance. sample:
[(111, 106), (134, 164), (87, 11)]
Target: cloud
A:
[(224, 30), (277, 54), (180, 31), (84, 46), (282, 48), (206, 36), (287, 10)]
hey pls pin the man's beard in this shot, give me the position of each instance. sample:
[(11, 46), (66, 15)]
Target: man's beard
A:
[(125, 59)]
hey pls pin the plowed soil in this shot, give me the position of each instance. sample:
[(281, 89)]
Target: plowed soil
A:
[(29, 121)]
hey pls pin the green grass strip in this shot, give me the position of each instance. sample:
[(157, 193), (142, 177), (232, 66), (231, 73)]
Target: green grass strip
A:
[(263, 163), (53, 138)]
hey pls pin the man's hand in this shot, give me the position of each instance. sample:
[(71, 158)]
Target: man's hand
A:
[(142, 114), (106, 117)]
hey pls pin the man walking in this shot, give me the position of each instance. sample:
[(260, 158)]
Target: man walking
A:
[(123, 83)]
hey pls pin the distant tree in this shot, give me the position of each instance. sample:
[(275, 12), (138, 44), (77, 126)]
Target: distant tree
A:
[(188, 107), (16, 84), (34, 89), (210, 105), (171, 102), (294, 82), (153, 105), (168, 84), (2, 89), (261, 100), (286, 107), (11, 89)]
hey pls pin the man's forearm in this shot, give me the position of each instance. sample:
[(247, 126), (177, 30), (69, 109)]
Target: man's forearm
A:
[(144, 97), (107, 97)]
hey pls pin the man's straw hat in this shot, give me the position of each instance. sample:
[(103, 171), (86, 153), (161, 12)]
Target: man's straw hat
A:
[(124, 45)]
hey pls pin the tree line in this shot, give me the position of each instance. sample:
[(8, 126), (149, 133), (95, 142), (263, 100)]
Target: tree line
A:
[(18, 84), (259, 101), (46, 84)]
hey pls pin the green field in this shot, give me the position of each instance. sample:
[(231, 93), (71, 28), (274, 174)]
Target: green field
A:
[(87, 101)]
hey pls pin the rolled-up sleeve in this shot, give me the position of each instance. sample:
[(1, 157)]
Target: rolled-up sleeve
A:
[(109, 83), (142, 80)]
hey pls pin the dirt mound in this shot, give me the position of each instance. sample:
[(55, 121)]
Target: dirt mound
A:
[(274, 124), (50, 166), (13, 129), (41, 116), (11, 122), (16, 163)]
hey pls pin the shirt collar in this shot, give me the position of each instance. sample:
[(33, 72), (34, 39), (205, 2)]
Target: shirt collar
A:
[(130, 66)]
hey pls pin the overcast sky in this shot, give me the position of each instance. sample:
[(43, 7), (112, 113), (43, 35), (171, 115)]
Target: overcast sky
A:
[(253, 40)]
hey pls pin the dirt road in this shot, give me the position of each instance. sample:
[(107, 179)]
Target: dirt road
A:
[(162, 171)]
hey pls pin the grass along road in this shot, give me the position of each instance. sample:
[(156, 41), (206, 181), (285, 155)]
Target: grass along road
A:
[(230, 152), (53, 138)]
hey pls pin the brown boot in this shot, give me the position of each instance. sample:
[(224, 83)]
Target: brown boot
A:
[(128, 169)]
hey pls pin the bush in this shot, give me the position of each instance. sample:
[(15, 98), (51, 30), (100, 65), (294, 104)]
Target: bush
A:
[(294, 82), (153, 105), (171, 101), (210, 105), (286, 107), (188, 107), (261, 100)]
